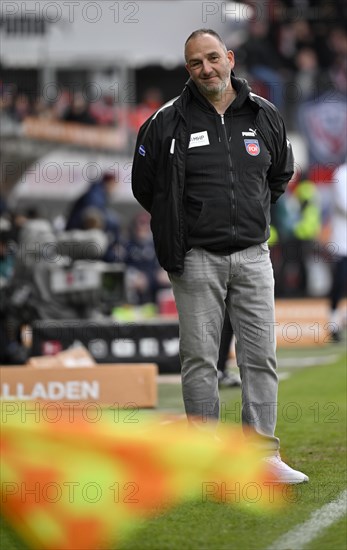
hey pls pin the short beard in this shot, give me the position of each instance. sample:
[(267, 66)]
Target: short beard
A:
[(216, 91)]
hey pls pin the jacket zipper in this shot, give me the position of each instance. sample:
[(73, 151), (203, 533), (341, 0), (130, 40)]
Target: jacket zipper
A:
[(232, 186)]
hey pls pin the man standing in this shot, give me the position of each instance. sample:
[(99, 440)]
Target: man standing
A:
[(339, 240), (206, 167)]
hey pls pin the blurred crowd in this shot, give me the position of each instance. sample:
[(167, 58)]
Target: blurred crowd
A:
[(48, 272), (91, 231), (290, 51), (74, 106), (295, 50)]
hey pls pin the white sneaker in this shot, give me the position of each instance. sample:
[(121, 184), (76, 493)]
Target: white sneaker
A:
[(284, 473)]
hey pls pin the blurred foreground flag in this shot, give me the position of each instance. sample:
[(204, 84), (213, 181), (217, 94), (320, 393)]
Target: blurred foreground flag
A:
[(71, 483)]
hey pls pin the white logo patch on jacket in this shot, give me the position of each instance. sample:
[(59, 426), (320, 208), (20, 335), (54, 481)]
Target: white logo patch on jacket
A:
[(250, 133), (198, 139)]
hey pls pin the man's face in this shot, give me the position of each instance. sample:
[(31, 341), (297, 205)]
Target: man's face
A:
[(209, 65)]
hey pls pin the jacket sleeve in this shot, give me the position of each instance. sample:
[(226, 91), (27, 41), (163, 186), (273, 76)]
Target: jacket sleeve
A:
[(144, 164), (282, 168)]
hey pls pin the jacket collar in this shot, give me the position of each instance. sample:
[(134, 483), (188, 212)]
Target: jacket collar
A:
[(239, 84)]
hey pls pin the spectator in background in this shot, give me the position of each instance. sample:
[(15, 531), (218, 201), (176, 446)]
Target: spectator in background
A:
[(90, 241), (18, 279), (3, 205), (6, 109), (281, 229), (143, 272), (105, 111), (12, 350), (310, 80), (305, 231), (62, 104), (151, 101), (263, 62), (98, 196), (6, 252), (339, 240), (21, 107), (338, 68), (18, 218), (79, 111), (42, 109)]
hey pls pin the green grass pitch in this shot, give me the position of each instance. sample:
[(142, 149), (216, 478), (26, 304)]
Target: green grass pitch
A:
[(312, 428)]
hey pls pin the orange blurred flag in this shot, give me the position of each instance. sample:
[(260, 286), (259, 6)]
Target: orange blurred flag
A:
[(75, 484)]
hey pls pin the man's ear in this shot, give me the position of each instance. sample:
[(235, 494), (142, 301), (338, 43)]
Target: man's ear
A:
[(231, 58), (188, 69)]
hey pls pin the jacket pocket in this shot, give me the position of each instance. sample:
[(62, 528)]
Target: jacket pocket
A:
[(210, 221), (252, 223)]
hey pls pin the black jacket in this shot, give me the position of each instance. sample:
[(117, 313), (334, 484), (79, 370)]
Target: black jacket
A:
[(158, 175)]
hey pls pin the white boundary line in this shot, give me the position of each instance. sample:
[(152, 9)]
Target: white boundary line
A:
[(320, 520)]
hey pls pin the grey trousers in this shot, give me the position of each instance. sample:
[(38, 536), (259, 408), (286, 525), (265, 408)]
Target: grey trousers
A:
[(242, 283)]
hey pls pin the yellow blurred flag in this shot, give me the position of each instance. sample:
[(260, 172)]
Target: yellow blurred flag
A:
[(77, 484)]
